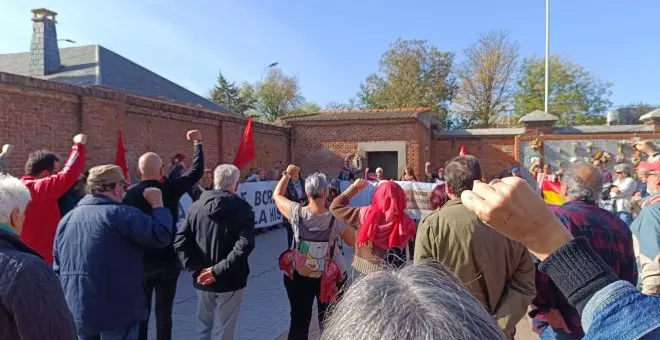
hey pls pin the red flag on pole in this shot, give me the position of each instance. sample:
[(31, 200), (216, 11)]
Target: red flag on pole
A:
[(462, 152), (120, 157), (246, 150)]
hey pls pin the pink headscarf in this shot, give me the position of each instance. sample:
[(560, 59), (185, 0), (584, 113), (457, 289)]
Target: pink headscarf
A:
[(384, 222)]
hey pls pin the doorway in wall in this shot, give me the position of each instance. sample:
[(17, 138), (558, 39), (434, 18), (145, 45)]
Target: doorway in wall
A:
[(388, 160)]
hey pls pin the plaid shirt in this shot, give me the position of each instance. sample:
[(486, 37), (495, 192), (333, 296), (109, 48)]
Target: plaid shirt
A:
[(610, 238)]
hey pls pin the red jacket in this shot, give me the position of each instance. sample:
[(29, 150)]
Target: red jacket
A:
[(42, 213)]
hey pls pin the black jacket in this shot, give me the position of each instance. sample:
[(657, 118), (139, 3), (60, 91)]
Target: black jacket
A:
[(164, 261), (219, 233), (32, 304)]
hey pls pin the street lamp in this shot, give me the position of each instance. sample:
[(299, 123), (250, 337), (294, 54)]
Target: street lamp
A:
[(271, 65), (67, 40)]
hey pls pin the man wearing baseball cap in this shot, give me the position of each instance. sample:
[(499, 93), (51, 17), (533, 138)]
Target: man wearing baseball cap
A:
[(99, 251), (646, 232)]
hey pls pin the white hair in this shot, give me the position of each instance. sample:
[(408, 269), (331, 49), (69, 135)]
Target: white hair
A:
[(379, 169), (225, 177), (583, 189), (415, 302), (316, 185), (13, 195)]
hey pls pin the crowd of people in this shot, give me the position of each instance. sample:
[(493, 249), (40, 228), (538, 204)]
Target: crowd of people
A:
[(87, 265)]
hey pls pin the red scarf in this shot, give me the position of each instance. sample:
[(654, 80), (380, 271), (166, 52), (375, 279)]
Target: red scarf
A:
[(385, 223)]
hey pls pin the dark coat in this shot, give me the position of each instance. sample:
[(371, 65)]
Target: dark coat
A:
[(218, 233), (32, 304), (164, 261), (99, 250)]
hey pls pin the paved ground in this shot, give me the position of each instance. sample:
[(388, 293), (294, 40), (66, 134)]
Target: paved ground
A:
[(264, 313)]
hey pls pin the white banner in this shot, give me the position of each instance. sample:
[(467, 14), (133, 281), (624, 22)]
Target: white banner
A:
[(418, 197), (260, 197)]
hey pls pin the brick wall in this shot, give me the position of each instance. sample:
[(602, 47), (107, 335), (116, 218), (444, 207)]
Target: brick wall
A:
[(322, 146), (38, 114), (494, 153)]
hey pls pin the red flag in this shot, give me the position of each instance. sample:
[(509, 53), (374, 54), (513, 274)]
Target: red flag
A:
[(120, 157), (246, 150), (462, 152)]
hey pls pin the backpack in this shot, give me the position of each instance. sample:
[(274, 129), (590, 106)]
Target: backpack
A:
[(310, 256)]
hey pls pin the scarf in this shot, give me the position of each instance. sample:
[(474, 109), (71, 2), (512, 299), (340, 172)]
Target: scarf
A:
[(384, 222)]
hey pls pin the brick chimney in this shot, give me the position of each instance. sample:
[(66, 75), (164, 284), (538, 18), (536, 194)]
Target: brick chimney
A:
[(44, 52)]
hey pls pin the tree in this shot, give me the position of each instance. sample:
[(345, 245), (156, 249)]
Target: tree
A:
[(247, 100), (350, 105), (486, 79), (412, 73), (306, 107), (225, 93), (576, 97), (278, 95)]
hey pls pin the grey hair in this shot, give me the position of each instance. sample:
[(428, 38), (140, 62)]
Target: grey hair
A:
[(316, 185), (13, 195), (225, 177), (379, 169), (580, 189), (414, 302)]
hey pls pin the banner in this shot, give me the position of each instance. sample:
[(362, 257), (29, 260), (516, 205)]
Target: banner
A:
[(418, 197), (260, 197)]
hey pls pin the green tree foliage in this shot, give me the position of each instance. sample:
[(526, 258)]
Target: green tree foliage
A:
[(412, 73), (278, 95), (351, 104), (486, 80), (576, 97), (225, 93), (307, 107)]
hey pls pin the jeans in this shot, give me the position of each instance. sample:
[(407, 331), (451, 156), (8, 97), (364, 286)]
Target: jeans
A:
[(301, 292), (165, 287), (126, 333), (625, 217), (220, 307), (555, 334)]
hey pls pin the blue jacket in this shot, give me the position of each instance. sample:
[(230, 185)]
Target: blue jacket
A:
[(32, 305), (98, 254), (619, 311)]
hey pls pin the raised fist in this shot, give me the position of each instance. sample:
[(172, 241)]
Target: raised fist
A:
[(194, 135), (360, 184), (80, 138), (154, 196), (292, 170), (428, 164)]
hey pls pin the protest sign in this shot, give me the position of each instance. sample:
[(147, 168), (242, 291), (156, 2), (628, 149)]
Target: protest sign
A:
[(260, 196), (418, 196)]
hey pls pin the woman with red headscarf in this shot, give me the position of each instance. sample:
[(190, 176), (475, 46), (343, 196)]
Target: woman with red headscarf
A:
[(381, 227)]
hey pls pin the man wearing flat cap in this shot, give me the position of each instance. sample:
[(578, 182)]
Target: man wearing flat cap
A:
[(99, 251)]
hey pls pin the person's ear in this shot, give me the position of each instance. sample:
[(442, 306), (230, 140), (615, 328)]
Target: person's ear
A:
[(16, 221), (564, 190)]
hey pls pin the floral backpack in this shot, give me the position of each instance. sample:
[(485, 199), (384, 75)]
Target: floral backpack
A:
[(310, 256)]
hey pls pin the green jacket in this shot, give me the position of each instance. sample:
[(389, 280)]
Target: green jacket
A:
[(497, 271)]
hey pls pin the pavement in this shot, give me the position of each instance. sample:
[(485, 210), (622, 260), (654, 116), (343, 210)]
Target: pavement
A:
[(264, 313)]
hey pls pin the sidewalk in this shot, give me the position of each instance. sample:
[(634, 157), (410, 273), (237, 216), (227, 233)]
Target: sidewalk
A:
[(265, 309)]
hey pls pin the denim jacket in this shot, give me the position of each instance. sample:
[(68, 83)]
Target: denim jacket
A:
[(620, 311)]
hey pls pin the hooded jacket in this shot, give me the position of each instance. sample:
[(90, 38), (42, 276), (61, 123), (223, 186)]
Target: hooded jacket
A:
[(219, 233)]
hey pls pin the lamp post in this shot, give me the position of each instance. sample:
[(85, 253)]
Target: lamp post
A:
[(67, 40), (547, 54), (271, 65)]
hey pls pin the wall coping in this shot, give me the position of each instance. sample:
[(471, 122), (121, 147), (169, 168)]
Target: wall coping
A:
[(128, 98), (573, 130)]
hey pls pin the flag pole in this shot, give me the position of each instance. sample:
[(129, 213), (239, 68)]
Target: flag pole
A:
[(547, 54)]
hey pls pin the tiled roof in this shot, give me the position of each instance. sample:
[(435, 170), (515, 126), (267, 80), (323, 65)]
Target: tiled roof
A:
[(366, 114), (95, 65), (538, 116)]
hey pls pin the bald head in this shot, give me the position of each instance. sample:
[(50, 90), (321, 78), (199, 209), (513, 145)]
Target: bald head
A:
[(582, 181), (150, 166)]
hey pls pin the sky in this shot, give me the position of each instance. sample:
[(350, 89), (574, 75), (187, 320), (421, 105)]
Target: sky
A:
[(331, 46)]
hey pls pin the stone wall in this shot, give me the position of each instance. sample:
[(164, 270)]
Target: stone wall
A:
[(38, 114)]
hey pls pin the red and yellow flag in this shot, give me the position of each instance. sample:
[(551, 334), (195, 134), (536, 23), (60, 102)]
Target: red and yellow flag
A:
[(552, 192)]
